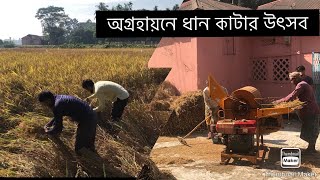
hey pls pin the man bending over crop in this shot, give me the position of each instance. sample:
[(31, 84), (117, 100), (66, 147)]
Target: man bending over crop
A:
[(108, 90), (309, 113), (78, 110)]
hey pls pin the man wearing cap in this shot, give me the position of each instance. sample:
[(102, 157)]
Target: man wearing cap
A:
[(309, 113), (304, 77), (211, 108)]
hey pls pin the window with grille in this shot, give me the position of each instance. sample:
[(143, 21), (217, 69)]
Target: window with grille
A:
[(259, 70), (281, 68)]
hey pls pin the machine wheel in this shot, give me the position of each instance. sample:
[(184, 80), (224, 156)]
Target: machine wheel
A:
[(217, 139)]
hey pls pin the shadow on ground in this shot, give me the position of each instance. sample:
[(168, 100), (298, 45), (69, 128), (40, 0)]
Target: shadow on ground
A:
[(272, 161)]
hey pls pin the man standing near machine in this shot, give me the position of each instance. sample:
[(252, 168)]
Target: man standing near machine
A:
[(309, 113), (211, 109)]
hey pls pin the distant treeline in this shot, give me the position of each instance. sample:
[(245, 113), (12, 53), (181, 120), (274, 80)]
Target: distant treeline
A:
[(98, 46), (6, 44), (61, 30)]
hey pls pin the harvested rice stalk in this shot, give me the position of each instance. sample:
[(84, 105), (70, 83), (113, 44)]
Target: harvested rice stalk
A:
[(296, 104), (187, 112)]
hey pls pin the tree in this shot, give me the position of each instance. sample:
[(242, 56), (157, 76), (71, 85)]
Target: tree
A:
[(128, 6), (71, 24), (84, 33), (8, 44), (175, 7), (117, 8), (102, 7), (56, 25), (1, 42), (155, 8), (124, 7)]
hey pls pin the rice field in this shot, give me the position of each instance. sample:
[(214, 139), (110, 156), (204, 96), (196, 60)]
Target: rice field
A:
[(24, 73), (24, 148)]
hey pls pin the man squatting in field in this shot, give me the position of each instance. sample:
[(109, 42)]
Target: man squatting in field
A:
[(108, 90), (211, 108), (309, 113), (78, 110)]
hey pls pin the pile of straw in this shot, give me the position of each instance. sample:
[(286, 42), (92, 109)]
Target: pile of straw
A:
[(296, 104), (160, 105), (187, 112), (164, 97)]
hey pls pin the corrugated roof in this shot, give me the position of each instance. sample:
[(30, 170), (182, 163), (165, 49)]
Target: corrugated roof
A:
[(209, 5), (292, 4)]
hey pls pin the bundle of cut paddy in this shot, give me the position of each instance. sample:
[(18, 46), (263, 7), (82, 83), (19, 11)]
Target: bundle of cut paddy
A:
[(296, 104), (163, 97), (187, 112), (160, 105)]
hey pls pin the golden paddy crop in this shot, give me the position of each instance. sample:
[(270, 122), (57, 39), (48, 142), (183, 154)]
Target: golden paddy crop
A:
[(24, 73), (24, 148)]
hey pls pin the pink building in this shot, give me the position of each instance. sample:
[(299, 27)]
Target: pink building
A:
[(262, 62)]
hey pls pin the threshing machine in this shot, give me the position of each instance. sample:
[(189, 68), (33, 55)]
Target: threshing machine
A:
[(243, 120)]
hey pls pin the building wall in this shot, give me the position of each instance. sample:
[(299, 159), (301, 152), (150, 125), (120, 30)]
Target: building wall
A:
[(37, 41), (225, 58), (25, 40), (307, 46), (299, 52), (31, 40), (180, 55), (276, 56), (193, 59)]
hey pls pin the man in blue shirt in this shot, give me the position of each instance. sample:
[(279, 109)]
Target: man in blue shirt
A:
[(78, 110)]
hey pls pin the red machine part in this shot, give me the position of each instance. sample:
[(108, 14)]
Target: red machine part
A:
[(236, 126)]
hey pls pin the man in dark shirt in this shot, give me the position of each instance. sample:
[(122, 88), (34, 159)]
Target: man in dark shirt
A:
[(307, 79), (309, 113), (78, 110)]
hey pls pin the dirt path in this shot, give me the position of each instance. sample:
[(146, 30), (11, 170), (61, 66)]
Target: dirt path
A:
[(201, 160)]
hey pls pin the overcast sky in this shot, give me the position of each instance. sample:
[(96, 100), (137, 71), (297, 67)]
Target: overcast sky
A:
[(17, 17)]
